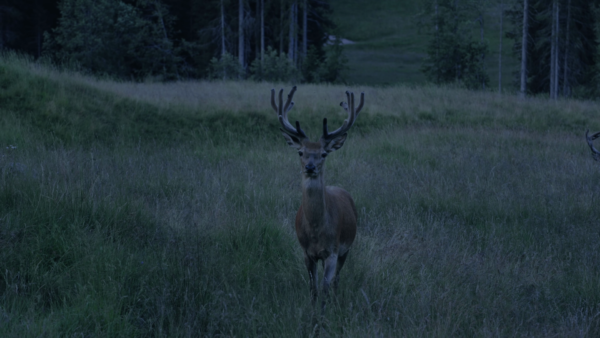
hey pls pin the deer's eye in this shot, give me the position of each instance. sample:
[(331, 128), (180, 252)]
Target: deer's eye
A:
[(300, 153), (323, 155)]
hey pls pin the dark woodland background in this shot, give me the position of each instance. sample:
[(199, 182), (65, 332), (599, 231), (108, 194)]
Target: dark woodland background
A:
[(300, 40)]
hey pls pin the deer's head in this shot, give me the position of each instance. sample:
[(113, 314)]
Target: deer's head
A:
[(590, 141), (313, 154)]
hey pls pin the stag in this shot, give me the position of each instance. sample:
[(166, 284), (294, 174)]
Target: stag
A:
[(590, 139), (326, 219)]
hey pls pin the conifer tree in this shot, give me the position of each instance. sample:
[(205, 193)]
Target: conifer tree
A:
[(454, 54)]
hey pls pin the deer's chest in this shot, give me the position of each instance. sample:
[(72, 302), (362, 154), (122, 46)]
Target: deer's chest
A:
[(317, 242)]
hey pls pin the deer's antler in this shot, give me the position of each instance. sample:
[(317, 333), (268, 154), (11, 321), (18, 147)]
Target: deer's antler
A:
[(590, 139), (352, 114), (282, 114)]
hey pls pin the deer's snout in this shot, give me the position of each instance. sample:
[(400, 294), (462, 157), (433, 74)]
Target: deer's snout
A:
[(310, 168)]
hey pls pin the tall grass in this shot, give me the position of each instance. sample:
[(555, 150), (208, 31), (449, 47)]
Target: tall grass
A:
[(476, 212)]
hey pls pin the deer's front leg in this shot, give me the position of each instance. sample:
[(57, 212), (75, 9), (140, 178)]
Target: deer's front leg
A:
[(340, 263), (311, 266), (330, 266)]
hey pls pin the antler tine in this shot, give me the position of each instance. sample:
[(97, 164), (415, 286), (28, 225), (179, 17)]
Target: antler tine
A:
[(352, 114), (289, 103), (593, 137), (280, 101), (362, 102), (589, 139), (273, 104), (282, 114)]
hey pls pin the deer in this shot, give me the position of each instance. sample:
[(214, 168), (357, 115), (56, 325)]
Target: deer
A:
[(326, 220), (590, 142)]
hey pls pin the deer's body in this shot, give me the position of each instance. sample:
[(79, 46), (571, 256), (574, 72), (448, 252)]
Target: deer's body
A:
[(327, 224), (326, 219)]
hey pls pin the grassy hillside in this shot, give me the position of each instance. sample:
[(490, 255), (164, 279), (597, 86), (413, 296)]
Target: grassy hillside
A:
[(390, 45), (150, 210)]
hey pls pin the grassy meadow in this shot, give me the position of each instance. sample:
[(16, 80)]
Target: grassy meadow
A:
[(166, 210)]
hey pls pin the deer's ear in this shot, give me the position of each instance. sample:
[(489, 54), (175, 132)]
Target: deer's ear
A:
[(335, 143), (292, 141)]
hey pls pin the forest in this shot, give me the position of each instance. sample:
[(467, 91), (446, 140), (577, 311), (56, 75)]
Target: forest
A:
[(555, 42), (178, 39)]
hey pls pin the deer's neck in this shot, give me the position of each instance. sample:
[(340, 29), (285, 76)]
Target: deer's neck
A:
[(313, 200)]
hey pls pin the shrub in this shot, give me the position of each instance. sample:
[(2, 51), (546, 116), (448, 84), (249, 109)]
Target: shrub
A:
[(225, 68), (274, 68), (334, 63), (115, 38)]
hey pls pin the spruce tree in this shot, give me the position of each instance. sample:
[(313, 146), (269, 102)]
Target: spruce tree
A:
[(454, 54)]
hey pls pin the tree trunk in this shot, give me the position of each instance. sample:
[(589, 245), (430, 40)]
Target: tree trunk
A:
[(566, 88), (223, 50), (296, 33), (524, 50), (554, 52), (160, 15), (292, 39), (557, 51), (2, 30), (241, 47), (281, 26), (38, 12), (262, 32), (481, 34), (305, 30), (457, 65), (500, 47), (256, 30), (437, 43)]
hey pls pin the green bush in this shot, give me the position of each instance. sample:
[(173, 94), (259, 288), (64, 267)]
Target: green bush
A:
[(274, 68), (334, 64), (225, 68), (114, 38), (454, 55)]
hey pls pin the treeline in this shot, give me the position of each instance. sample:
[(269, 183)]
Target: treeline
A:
[(557, 43), (285, 40), (555, 40)]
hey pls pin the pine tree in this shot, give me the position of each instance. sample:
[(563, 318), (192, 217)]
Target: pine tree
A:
[(524, 48), (454, 55)]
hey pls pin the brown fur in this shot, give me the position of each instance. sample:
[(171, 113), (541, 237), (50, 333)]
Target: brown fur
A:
[(326, 219), (341, 208)]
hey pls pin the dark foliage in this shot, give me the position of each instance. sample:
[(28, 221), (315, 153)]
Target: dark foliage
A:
[(23, 23), (581, 51), (453, 54), (137, 39)]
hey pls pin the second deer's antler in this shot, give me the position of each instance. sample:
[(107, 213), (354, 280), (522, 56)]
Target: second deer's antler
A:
[(590, 139)]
